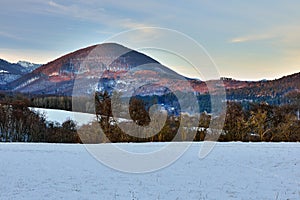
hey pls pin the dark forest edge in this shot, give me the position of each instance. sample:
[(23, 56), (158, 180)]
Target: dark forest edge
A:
[(252, 122)]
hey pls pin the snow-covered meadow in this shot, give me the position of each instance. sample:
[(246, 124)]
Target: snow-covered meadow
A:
[(61, 116), (230, 171)]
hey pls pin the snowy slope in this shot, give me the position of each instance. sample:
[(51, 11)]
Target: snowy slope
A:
[(28, 66), (12, 71), (61, 116), (230, 171)]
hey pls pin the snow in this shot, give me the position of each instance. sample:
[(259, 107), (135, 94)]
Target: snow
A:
[(3, 71), (7, 77), (230, 171), (26, 64), (61, 116), (54, 74), (26, 83)]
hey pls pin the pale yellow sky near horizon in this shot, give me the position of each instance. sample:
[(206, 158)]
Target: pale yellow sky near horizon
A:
[(174, 62)]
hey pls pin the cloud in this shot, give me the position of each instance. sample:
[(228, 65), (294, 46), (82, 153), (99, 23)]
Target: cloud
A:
[(284, 36), (130, 24), (95, 13), (52, 3), (9, 35), (250, 38), (76, 11)]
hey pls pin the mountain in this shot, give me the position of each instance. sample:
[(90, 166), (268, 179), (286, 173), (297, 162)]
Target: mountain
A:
[(12, 71), (270, 91), (109, 61), (28, 66), (9, 72), (110, 66)]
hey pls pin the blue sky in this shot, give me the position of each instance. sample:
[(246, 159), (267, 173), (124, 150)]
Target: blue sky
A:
[(247, 40)]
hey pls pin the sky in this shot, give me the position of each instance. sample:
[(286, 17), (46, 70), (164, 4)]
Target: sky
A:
[(250, 40)]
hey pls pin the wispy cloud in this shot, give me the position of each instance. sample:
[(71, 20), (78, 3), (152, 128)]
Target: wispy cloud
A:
[(130, 24), (94, 14), (284, 36), (250, 38), (52, 3), (75, 10), (9, 35)]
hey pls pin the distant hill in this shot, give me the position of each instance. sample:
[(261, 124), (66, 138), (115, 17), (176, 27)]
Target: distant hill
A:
[(271, 91), (105, 66), (108, 61), (12, 71), (28, 66)]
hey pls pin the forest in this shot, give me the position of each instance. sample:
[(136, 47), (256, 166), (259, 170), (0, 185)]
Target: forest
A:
[(255, 122), (18, 123)]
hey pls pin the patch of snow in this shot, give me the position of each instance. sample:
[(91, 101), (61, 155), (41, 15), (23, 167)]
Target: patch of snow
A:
[(26, 83), (7, 78), (3, 72), (61, 116), (54, 74), (26, 64)]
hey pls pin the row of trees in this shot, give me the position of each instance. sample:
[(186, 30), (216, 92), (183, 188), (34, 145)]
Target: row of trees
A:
[(256, 122), (260, 122), (18, 123), (106, 129)]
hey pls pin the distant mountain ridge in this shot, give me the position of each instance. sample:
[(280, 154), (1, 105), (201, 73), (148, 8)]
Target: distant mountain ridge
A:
[(12, 71), (58, 76), (111, 62), (271, 91), (28, 65)]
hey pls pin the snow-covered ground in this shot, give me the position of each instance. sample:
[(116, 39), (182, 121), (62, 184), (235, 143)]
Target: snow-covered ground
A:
[(230, 171), (61, 116)]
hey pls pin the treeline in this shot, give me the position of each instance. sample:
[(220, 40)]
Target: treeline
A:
[(261, 122), (18, 123), (52, 102), (39, 101), (107, 129), (65, 102), (258, 122), (254, 122)]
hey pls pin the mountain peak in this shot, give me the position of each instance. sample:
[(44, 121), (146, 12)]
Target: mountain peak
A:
[(106, 65), (27, 64), (108, 59)]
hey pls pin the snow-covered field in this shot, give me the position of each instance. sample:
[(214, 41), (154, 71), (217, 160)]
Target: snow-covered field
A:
[(230, 171), (61, 116)]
